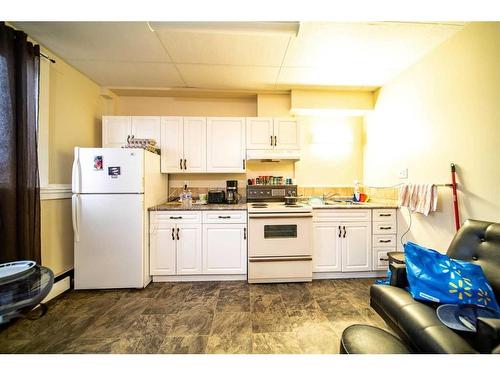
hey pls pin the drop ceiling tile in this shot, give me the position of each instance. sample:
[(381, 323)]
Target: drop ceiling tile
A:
[(130, 74), (221, 48), (227, 76), (393, 45), (116, 41)]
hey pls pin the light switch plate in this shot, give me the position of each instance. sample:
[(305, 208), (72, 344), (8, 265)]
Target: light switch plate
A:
[(403, 173)]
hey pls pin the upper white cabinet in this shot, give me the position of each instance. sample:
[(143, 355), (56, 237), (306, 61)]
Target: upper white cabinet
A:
[(226, 144), (286, 134), (146, 127), (172, 144), (195, 144), (260, 133), (183, 144), (116, 129), (265, 133)]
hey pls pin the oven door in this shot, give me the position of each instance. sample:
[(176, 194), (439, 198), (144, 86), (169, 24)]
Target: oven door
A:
[(279, 234)]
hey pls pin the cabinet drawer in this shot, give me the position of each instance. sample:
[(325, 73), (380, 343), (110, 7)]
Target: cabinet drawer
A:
[(381, 261), (384, 240), (384, 228), (342, 215), (221, 217), (176, 217), (385, 215), (280, 269)]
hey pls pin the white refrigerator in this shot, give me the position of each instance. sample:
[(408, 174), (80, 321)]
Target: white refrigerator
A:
[(112, 191)]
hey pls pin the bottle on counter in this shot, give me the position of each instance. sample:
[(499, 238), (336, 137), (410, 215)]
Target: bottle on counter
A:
[(186, 197)]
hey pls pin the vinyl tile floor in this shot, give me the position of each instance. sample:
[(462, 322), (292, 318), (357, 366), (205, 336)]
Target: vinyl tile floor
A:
[(198, 317)]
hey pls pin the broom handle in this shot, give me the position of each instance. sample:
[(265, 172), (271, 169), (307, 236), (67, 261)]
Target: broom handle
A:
[(455, 197)]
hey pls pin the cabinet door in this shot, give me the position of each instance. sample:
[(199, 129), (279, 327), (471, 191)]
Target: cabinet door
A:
[(226, 144), (259, 133), (287, 136), (162, 246), (172, 147), (195, 144), (189, 239), (356, 247), (147, 127), (115, 130), (327, 255), (224, 249)]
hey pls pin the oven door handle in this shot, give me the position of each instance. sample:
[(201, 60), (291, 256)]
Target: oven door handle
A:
[(277, 215), (280, 259)]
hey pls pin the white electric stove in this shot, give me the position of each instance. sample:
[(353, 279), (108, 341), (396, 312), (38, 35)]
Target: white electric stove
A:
[(279, 236)]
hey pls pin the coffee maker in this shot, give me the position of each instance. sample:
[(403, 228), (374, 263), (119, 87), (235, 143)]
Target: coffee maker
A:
[(232, 195)]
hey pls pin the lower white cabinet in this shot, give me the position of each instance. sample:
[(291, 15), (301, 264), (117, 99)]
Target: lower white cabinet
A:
[(162, 250), (342, 247), (189, 249), (175, 249), (356, 247), (327, 247), (224, 248), (188, 243)]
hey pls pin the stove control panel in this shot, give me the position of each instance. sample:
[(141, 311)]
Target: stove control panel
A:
[(274, 193)]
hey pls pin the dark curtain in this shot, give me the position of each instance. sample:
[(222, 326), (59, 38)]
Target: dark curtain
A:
[(19, 181)]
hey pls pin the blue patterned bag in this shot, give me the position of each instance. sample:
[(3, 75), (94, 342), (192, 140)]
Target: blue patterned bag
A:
[(436, 277)]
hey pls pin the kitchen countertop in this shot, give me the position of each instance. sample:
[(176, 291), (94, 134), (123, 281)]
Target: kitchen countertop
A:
[(174, 206), (355, 205)]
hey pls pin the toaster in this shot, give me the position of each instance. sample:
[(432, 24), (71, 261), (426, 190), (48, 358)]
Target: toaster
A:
[(216, 196)]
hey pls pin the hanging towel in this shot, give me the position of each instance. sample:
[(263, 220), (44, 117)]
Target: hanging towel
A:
[(420, 198)]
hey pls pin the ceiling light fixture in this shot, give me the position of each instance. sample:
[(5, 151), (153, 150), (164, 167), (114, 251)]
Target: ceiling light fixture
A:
[(285, 27)]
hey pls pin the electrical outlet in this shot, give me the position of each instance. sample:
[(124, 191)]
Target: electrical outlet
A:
[(403, 173)]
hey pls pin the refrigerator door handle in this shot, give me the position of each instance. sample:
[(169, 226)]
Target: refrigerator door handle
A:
[(74, 216), (76, 173)]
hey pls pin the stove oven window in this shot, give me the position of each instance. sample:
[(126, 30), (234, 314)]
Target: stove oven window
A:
[(280, 231)]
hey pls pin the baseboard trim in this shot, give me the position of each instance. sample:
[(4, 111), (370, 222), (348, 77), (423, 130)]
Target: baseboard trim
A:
[(58, 288), (347, 275), (199, 278)]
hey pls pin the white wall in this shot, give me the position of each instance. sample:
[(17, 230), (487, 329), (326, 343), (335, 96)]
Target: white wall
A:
[(443, 109)]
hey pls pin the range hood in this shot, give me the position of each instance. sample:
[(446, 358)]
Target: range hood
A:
[(273, 155)]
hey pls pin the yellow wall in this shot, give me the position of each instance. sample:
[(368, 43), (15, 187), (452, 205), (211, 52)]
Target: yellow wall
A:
[(75, 110), (181, 106), (443, 109), (331, 147), (331, 151), (75, 107)]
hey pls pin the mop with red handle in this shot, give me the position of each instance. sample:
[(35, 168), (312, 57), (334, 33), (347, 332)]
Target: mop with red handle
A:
[(455, 197)]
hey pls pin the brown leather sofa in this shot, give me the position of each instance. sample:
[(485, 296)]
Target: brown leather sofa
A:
[(416, 322)]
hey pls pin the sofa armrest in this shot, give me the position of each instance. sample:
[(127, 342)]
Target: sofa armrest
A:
[(487, 335), (398, 275)]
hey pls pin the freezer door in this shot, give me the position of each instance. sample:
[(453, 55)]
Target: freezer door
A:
[(108, 170), (109, 231)]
